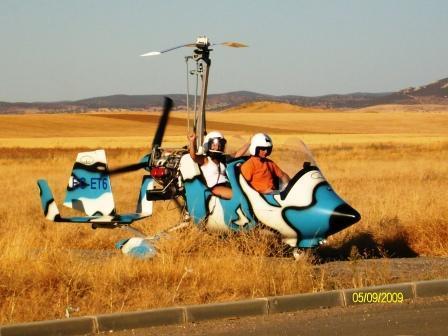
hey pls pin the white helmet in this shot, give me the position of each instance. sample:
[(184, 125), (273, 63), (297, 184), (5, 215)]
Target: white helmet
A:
[(217, 138), (260, 140)]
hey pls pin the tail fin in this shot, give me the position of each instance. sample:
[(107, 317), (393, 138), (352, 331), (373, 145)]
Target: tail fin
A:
[(89, 188), (143, 205), (49, 206)]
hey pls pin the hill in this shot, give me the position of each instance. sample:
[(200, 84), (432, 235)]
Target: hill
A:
[(433, 93)]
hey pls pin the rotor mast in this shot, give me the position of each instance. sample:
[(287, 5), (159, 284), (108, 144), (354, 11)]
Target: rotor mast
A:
[(202, 57)]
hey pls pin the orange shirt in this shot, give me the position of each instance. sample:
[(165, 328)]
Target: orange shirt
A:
[(260, 173)]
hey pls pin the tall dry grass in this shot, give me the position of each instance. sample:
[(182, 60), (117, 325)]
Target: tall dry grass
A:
[(393, 171), (400, 190)]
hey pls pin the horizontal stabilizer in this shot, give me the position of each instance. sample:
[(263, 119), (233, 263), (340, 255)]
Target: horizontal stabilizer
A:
[(49, 206), (51, 212)]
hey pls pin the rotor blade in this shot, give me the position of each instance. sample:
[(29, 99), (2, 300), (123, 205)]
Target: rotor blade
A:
[(168, 104), (128, 168), (154, 53), (232, 44)]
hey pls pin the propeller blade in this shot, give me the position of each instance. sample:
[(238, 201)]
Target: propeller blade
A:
[(128, 168), (168, 104), (154, 53), (232, 44)]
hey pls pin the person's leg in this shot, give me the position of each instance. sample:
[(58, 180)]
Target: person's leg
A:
[(222, 191)]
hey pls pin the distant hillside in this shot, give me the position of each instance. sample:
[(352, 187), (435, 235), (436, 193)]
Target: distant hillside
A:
[(434, 93)]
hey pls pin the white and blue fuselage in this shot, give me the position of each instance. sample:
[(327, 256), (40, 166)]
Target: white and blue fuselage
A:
[(304, 214)]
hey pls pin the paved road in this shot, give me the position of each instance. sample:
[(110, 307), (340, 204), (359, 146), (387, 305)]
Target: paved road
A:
[(422, 317)]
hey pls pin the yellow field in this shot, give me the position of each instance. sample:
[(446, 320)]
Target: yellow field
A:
[(391, 166)]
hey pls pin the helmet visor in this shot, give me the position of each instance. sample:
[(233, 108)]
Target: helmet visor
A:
[(217, 145), (262, 148)]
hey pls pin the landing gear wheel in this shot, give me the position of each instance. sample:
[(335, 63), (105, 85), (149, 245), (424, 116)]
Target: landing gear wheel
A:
[(300, 254)]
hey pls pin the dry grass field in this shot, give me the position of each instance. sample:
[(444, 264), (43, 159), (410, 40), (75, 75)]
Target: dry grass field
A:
[(388, 163)]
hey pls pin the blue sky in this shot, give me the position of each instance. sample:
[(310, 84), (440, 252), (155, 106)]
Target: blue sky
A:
[(67, 50)]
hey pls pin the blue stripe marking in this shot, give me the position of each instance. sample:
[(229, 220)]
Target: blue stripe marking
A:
[(269, 198), (313, 222), (238, 201), (142, 196), (197, 195), (88, 184)]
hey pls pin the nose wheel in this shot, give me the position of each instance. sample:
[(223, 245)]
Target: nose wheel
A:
[(301, 254)]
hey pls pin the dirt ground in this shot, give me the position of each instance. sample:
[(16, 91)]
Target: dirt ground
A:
[(397, 269)]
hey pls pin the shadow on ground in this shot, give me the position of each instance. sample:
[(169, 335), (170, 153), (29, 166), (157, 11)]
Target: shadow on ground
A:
[(364, 246)]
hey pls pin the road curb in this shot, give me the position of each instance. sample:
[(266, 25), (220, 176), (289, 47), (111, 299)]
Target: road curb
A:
[(289, 303), (254, 307), (72, 326), (431, 288), (193, 313), (141, 319)]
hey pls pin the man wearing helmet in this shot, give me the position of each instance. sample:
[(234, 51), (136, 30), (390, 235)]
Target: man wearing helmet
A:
[(259, 171), (212, 162)]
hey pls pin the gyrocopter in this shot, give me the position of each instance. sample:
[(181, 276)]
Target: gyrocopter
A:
[(304, 213)]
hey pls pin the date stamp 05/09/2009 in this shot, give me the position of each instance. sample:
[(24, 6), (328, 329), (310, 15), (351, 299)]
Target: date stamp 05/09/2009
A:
[(377, 297)]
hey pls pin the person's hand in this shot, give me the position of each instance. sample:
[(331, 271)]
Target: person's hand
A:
[(191, 137)]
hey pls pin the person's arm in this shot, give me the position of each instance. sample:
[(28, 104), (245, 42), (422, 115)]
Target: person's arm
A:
[(199, 159), (281, 174), (285, 178), (243, 150)]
